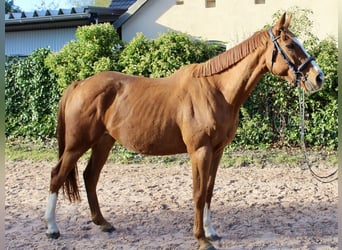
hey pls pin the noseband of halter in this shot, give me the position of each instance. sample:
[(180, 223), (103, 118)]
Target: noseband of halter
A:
[(297, 71)]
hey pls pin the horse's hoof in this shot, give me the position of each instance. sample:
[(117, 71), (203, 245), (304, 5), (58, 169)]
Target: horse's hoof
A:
[(53, 235), (208, 247), (214, 237), (107, 228)]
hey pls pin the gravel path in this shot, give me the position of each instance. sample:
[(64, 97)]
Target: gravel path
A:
[(270, 207)]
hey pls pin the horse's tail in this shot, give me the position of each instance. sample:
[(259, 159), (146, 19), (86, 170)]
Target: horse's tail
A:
[(70, 186)]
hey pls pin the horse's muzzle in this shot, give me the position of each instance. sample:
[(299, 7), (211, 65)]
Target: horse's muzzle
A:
[(312, 85), (320, 79)]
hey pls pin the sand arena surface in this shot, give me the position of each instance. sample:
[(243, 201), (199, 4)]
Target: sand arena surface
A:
[(269, 207)]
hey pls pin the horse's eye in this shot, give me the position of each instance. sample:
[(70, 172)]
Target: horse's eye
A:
[(290, 46)]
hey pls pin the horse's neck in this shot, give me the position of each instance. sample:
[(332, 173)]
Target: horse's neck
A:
[(237, 82)]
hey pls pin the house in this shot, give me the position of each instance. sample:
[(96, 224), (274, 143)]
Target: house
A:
[(217, 20), (27, 31), (222, 20)]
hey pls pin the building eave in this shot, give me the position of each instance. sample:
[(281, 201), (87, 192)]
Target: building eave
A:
[(46, 22), (129, 13), (75, 18)]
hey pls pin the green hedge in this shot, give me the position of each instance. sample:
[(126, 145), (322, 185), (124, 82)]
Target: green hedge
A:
[(160, 57), (31, 97), (270, 116), (97, 48)]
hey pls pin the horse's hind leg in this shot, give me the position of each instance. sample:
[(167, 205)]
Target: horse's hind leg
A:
[(91, 175), (58, 176)]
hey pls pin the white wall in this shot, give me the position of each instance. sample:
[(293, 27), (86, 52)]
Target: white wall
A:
[(22, 43), (146, 20), (230, 21)]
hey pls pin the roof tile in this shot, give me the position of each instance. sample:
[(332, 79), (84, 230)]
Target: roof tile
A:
[(121, 4)]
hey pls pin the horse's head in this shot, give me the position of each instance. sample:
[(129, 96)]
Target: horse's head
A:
[(289, 60)]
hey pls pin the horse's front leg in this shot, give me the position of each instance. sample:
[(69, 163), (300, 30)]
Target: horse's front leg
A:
[(201, 160), (210, 232)]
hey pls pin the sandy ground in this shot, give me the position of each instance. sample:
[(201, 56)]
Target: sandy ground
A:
[(269, 207)]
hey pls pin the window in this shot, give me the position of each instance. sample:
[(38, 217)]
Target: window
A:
[(259, 1), (210, 3), (179, 2)]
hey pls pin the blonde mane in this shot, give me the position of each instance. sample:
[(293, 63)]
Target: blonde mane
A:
[(228, 58)]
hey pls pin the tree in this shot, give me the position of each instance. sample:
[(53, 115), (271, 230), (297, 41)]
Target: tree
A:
[(31, 96), (301, 25), (271, 113), (102, 3), (44, 6), (96, 49), (79, 3), (165, 54), (10, 7)]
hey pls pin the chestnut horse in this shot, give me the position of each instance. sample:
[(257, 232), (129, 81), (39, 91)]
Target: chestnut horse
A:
[(195, 110)]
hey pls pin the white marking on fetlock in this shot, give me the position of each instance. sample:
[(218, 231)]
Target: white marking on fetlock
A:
[(50, 216), (208, 228)]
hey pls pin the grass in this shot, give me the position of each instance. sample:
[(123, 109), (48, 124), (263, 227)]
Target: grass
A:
[(17, 150)]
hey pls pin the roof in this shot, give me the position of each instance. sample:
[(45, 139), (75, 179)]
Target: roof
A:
[(61, 18), (121, 4), (129, 13)]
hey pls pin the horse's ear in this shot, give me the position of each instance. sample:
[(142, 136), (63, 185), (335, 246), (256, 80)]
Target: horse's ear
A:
[(288, 21), (279, 25)]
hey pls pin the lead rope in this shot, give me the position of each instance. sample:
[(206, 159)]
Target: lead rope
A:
[(323, 179)]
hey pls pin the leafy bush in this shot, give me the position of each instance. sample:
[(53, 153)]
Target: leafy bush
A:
[(322, 106), (96, 49), (274, 105), (162, 56), (134, 59), (301, 25), (31, 97)]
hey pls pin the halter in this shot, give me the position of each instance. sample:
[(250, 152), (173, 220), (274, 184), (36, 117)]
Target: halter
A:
[(324, 179), (297, 71)]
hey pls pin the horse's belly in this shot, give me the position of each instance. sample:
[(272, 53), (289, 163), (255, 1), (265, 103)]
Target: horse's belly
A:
[(150, 142)]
